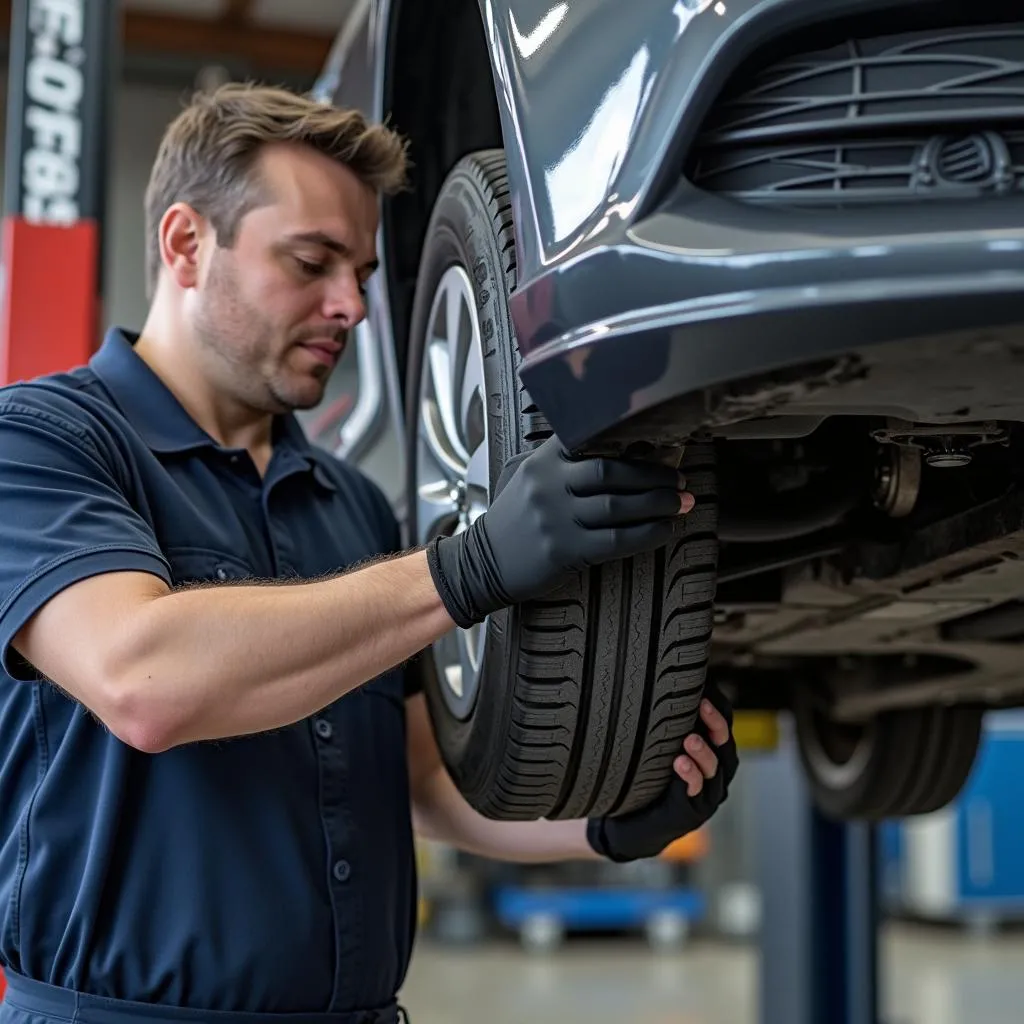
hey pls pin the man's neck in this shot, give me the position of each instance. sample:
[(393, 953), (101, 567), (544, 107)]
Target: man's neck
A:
[(229, 424)]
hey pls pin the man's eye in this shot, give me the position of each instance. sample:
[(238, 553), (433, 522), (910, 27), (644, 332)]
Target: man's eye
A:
[(313, 269)]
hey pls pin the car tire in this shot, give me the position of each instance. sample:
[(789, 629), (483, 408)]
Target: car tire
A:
[(577, 704), (899, 764)]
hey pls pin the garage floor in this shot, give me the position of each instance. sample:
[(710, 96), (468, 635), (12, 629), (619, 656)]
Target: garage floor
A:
[(934, 976)]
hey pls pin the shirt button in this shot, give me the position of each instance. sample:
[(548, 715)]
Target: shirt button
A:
[(342, 869), (222, 573), (323, 729)]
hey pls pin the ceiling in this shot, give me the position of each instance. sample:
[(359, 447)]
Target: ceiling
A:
[(248, 37)]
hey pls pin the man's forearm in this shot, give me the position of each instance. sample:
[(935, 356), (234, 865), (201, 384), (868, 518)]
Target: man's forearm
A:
[(231, 660), (441, 813), (525, 842)]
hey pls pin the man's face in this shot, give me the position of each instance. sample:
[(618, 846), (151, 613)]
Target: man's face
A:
[(273, 312)]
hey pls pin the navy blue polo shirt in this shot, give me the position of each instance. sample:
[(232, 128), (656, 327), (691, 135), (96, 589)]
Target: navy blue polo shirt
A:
[(267, 873)]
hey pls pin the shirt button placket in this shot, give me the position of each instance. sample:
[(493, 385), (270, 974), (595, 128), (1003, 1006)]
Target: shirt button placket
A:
[(332, 760)]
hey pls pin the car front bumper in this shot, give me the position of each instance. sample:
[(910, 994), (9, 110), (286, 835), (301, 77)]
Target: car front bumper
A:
[(711, 311)]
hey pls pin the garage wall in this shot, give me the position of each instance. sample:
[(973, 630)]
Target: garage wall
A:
[(142, 114)]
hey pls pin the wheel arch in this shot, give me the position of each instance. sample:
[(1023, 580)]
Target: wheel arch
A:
[(439, 92)]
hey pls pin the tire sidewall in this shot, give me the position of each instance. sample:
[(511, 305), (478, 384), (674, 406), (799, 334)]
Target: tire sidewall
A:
[(459, 234)]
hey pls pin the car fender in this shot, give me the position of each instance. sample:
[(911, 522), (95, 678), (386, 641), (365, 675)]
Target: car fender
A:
[(598, 96)]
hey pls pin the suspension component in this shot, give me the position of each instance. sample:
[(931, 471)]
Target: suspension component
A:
[(943, 446), (898, 480)]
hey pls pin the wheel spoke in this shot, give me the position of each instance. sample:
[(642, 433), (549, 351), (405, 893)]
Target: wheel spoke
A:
[(469, 651), (436, 510), (478, 635), (472, 406), (441, 378), (453, 676), (455, 322), (432, 431), (477, 471)]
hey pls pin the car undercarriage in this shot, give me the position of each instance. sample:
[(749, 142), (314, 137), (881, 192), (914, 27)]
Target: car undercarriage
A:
[(851, 534)]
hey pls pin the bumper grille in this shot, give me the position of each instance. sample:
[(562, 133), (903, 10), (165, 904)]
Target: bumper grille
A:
[(927, 115)]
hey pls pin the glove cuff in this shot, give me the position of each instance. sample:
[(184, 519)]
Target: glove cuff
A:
[(597, 837), (465, 575), (439, 554)]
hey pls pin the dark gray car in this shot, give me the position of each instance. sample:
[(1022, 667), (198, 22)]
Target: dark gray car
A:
[(777, 242)]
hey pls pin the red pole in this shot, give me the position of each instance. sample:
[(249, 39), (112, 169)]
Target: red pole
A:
[(49, 317)]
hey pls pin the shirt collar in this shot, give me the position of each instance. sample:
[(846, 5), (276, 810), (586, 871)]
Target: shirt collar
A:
[(161, 420), (146, 402)]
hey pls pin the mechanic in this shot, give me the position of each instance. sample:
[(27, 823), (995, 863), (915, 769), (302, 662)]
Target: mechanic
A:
[(214, 747)]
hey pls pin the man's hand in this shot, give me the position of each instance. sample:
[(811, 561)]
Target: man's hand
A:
[(554, 515), (701, 785)]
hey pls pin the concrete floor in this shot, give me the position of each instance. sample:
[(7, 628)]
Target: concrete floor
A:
[(932, 976)]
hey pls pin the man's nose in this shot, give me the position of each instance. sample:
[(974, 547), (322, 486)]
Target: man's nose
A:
[(344, 301)]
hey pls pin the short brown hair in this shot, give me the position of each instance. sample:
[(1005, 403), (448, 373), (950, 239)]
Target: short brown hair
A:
[(207, 154)]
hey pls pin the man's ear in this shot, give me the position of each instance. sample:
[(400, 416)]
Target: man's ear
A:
[(181, 233)]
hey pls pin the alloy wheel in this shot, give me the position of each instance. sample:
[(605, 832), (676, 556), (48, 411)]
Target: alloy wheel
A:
[(452, 460)]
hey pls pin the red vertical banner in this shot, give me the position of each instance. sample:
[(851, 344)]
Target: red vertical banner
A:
[(50, 305)]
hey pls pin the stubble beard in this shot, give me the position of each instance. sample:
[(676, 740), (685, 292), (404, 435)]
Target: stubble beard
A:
[(237, 342)]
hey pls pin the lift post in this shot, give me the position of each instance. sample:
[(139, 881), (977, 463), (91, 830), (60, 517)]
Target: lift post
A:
[(63, 70), (820, 892), (63, 67)]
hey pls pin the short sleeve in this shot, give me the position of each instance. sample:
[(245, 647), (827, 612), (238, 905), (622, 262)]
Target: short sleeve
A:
[(64, 515)]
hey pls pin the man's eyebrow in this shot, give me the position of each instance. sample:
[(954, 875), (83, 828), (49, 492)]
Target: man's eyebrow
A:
[(328, 242)]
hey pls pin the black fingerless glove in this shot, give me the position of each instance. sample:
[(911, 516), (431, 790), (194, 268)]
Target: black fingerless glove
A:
[(645, 833), (552, 515)]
